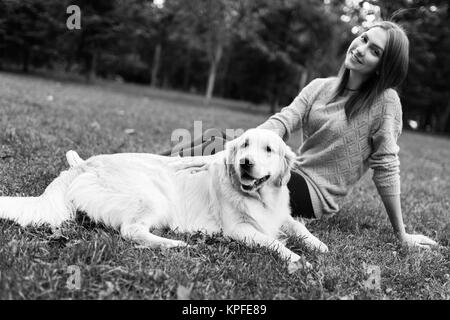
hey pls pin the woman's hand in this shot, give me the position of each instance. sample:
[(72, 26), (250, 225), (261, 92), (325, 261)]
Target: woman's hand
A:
[(417, 240), (193, 164), (394, 211)]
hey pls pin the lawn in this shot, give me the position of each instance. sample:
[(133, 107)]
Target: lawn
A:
[(41, 119)]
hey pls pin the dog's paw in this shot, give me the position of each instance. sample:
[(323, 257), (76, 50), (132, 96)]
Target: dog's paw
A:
[(175, 244), (316, 245), (294, 258), (322, 248), (298, 264)]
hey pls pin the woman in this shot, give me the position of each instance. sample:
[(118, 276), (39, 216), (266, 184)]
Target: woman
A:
[(351, 123)]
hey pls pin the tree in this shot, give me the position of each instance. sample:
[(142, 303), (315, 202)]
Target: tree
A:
[(152, 26), (27, 28), (102, 26), (426, 91), (210, 25), (299, 40)]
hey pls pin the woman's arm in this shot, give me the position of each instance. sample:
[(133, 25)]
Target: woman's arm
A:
[(394, 211), (290, 118), (385, 162)]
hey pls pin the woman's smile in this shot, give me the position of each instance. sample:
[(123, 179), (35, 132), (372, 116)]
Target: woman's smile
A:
[(355, 57)]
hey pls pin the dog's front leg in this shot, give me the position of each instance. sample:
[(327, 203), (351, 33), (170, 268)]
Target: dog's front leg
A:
[(247, 233), (298, 229), (140, 233)]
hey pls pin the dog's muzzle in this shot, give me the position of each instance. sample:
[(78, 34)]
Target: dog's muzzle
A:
[(252, 183)]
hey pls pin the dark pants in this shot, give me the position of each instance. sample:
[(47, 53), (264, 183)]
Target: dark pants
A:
[(300, 199)]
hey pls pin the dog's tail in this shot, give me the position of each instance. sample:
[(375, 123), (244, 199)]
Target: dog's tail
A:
[(51, 207), (73, 158)]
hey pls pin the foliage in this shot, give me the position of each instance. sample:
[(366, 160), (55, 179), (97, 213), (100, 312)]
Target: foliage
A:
[(261, 50)]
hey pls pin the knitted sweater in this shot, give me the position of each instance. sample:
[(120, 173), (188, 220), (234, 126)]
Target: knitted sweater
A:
[(336, 153)]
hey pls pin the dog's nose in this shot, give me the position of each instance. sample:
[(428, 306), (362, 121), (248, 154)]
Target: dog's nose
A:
[(247, 163)]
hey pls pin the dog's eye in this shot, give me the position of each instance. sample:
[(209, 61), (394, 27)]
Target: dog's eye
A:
[(268, 149), (245, 145)]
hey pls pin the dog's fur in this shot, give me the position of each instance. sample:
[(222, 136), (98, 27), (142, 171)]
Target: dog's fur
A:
[(243, 193)]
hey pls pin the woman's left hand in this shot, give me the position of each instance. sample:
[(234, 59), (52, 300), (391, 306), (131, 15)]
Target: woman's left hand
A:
[(193, 164), (418, 240)]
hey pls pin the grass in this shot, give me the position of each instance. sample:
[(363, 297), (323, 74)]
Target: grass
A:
[(36, 131)]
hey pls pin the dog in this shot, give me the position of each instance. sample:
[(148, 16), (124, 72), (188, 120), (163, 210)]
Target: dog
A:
[(242, 193)]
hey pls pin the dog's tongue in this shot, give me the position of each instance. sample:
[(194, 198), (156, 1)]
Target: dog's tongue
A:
[(263, 179), (255, 183), (247, 187)]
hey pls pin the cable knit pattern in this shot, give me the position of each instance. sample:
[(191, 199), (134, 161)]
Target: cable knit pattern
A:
[(335, 153)]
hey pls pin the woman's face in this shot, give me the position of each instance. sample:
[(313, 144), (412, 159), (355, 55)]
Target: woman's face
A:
[(365, 52)]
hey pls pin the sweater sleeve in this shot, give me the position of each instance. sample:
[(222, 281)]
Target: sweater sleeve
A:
[(384, 157), (289, 119)]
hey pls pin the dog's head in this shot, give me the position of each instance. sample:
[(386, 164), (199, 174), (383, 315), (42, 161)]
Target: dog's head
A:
[(259, 157)]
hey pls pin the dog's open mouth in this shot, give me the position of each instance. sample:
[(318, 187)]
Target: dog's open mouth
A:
[(251, 183)]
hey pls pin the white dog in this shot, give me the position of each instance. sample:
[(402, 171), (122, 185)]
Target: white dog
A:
[(243, 193)]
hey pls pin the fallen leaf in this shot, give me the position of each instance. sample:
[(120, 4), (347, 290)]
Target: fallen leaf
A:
[(298, 265), (374, 280), (14, 244), (42, 262), (158, 275), (10, 132), (184, 293), (130, 131), (105, 293), (73, 243), (6, 152), (57, 238), (95, 125), (57, 235)]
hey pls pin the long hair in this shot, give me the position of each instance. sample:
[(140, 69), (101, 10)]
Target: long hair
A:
[(391, 71)]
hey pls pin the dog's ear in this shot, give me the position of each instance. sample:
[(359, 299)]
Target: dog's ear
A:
[(230, 155), (287, 163)]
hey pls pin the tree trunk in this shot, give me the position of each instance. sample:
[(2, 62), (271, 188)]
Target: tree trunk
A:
[(155, 65), (69, 64), (187, 71), (26, 60), (274, 104), (444, 118), (92, 66), (275, 99), (303, 78), (225, 79), (165, 82), (212, 74)]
